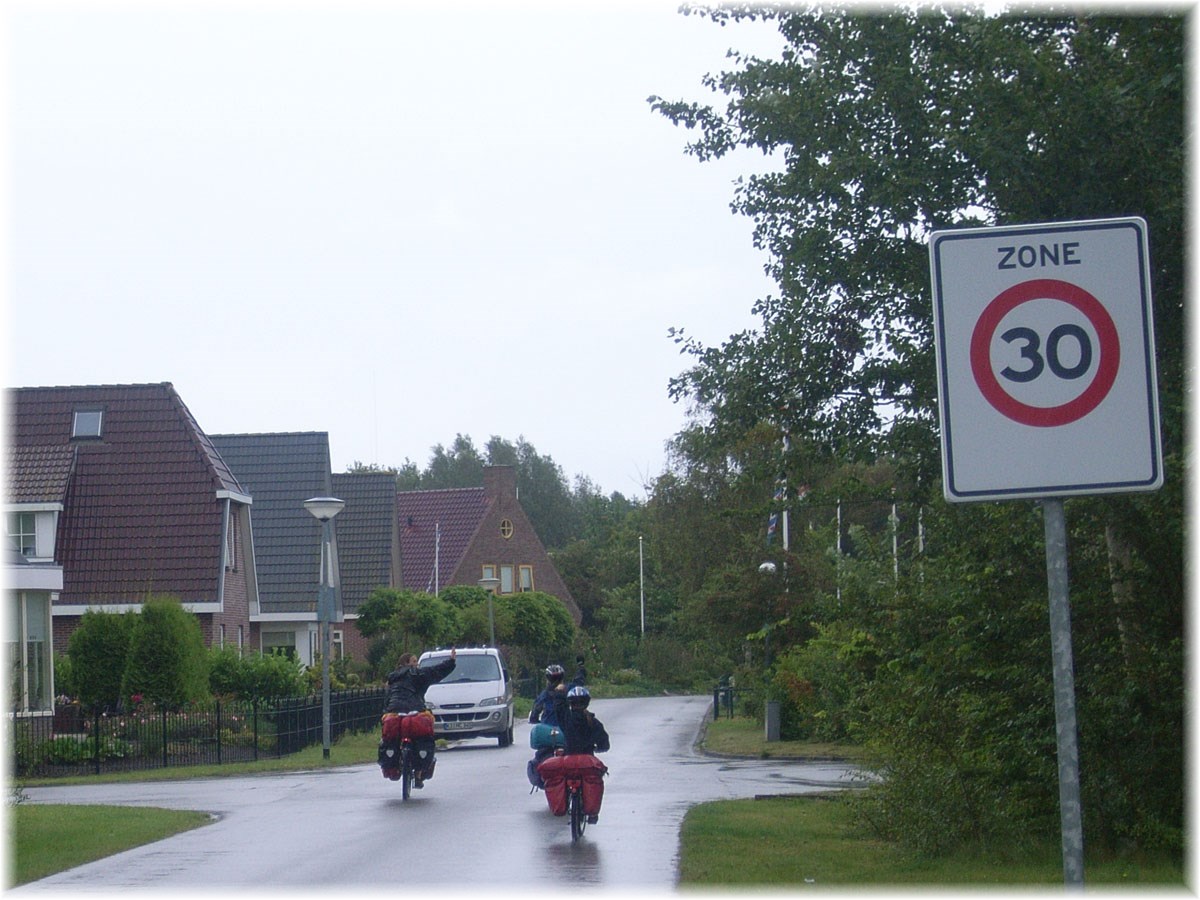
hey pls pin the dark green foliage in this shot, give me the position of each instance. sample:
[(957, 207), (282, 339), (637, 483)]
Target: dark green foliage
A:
[(168, 663), (254, 676), (936, 653), (99, 652)]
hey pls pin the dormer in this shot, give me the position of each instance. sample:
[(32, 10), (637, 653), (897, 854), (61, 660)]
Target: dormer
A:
[(37, 482)]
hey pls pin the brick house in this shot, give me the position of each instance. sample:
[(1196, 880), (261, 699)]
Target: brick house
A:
[(462, 535), (148, 508), (281, 471)]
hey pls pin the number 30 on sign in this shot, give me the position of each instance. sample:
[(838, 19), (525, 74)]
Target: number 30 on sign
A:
[(1045, 352)]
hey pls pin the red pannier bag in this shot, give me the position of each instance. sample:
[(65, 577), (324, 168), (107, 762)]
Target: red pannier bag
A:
[(391, 727), (418, 725), (556, 769)]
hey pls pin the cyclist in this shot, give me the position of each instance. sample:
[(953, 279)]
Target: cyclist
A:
[(549, 701), (582, 731), (406, 694), (547, 710)]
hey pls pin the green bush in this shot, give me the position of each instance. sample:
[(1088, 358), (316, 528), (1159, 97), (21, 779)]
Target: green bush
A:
[(168, 663), (99, 654)]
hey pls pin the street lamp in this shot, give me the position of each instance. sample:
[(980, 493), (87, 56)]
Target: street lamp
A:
[(491, 585), (323, 510)]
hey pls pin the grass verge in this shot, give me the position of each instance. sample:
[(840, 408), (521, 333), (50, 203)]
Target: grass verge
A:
[(800, 841), (52, 838)]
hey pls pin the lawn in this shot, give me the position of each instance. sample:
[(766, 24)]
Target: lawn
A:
[(798, 841), (49, 838)]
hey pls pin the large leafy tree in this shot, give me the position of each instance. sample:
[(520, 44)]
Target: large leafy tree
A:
[(888, 126), (885, 128)]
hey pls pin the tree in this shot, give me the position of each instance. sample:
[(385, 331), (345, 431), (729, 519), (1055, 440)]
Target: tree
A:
[(889, 126), (409, 620), (98, 650), (886, 128), (168, 663)]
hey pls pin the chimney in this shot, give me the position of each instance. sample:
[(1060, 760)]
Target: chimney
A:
[(499, 481)]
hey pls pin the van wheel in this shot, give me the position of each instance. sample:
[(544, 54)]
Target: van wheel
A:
[(505, 738)]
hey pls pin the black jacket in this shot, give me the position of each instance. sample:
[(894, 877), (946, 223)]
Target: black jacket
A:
[(582, 732), (407, 684)]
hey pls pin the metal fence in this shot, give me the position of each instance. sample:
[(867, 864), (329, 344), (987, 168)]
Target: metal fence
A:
[(75, 742)]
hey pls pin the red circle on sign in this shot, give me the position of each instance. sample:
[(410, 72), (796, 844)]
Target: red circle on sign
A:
[(1045, 416)]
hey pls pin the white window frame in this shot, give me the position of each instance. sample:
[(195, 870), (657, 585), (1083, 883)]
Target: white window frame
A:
[(22, 649), (82, 423), (22, 526)]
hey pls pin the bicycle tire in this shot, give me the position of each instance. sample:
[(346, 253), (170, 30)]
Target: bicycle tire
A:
[(406, 771), (575, 810)]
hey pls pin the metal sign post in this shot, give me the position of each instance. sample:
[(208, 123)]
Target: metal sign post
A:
[(1047, 389), (1069, 805)]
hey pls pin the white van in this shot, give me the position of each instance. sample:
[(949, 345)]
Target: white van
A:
[(476, 699)]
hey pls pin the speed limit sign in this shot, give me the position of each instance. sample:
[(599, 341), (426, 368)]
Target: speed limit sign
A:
[(1045, 353)]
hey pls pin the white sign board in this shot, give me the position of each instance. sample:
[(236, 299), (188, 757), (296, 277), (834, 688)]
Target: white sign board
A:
[(1045, 354)]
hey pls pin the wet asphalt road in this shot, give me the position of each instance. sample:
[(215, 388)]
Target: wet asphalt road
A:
[(475, 823)]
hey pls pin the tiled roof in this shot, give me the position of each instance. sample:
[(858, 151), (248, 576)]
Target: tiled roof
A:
[(39, 474), (431, 519), (281, 471), (364, 529), (141, 513)]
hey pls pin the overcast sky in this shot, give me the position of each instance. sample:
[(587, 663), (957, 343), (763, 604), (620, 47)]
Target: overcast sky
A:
[(394, 222)]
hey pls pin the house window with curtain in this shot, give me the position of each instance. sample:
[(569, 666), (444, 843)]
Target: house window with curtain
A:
[(22, 533), (526, 578), (506, 579)]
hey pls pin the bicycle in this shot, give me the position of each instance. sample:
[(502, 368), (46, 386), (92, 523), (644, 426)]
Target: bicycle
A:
[(399, 756), (575, 811), (573, 784)]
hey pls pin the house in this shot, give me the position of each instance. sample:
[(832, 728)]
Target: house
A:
[(145, 507), (368, 544), (281, 471), (37, 488), (464, 535)]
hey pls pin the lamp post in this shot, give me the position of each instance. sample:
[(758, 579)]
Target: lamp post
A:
[(491, 585), (323, 510)]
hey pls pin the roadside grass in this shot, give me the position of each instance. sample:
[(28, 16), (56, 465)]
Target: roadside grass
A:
[(813, 840), (50, 838), (744, 736)]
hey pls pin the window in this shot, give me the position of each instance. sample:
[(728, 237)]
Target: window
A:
[(488, 572), (526, 576), (281, 642), (29, 648), (337, 645), (87, 423), (22, 533), (231, 542), (506, 579), (506, 529)]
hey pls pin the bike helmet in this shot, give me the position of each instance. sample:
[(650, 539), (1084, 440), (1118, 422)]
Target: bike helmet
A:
[(578, 697), (554, 672)]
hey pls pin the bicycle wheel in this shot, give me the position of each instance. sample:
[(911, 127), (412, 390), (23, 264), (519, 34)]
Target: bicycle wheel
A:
[(406, 771), (575, 811)]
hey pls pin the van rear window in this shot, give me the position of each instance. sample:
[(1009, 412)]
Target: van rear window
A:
[(467, 668)]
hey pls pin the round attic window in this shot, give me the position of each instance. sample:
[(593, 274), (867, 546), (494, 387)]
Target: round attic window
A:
[(506, 529)]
